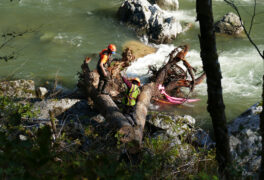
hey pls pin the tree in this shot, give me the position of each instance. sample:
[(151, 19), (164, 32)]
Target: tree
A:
[(248, 32), (211, 66)]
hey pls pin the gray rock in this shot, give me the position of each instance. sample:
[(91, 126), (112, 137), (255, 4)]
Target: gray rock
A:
[(229, 24), (41, 92), (202, 139), (245, 140), (56, 106), (18, 89), (99, 118), (174, 125), (234, 142), (150, 20), (247, 120)]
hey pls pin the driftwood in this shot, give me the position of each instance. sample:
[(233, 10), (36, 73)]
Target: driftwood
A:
[(172, 76), (107, 107)]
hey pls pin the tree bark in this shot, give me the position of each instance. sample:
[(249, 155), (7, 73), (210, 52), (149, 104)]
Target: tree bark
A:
[(211, 66), (261, 173), (106, 106), (186, 83), (142, 107)]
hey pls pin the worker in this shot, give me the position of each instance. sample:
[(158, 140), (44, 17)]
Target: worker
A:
[(102, 65), (130, 98)]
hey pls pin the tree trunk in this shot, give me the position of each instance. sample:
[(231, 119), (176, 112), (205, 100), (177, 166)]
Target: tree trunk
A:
[(142, 107), (106, 106), (261, 173), (211, 66)]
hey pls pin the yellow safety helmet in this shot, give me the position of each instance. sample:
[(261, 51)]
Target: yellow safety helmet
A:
[(137, 80)]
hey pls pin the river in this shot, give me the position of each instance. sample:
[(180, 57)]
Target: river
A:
[(65, 31)]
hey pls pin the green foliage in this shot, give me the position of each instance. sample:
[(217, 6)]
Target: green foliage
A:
[(33, 153), (203, 176), (22, 159), (12, 112)]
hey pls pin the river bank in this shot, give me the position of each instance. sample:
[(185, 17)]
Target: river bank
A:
[(76, 117)]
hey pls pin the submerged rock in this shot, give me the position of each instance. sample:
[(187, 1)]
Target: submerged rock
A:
[(18, 89), (230, 24), (150, 20), (139, 49)]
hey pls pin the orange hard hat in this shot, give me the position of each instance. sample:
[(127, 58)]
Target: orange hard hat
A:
[(137, 80), (112, 47)]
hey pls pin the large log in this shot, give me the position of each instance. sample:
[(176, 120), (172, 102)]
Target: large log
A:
[(142, 107), (106, 106)]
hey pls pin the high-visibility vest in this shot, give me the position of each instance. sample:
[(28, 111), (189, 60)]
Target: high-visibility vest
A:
[(103, 53), (131, 95)]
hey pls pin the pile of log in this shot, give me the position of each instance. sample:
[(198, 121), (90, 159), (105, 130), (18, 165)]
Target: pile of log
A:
[(108, 108)]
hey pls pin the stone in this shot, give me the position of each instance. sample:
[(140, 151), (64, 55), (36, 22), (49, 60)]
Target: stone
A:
[(234, 142), (245, 141), (173, 125), (22, 137), (202, 139), (56, 106), (99, 118), (18, 89), (150, 20), (41, 92), (230, 24)]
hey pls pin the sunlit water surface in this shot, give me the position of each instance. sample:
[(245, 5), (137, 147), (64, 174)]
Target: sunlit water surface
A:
[(65, 31)]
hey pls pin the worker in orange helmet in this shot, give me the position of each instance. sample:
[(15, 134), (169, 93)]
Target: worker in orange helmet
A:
[(102, 65)]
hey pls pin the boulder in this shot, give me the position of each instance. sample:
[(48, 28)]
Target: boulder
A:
[(202, 139), (55, 106), (230, 24), (150, 20), (245, 140), (138, 48), (173, 125), (166, 4), (18, 89)]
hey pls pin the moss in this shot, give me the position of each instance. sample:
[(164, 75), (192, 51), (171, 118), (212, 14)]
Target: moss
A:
[(29, 91), (166, 119)]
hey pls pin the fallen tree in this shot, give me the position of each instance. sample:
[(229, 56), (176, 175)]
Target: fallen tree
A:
[(108, 108)]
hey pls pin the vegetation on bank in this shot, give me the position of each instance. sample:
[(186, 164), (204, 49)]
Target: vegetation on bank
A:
[(36, 152)]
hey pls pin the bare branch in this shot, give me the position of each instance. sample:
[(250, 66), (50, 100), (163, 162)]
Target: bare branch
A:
[(231, 3), (10, 36), (253, 16)]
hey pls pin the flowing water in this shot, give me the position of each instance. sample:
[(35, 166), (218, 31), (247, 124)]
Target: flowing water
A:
[(63, 32)]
